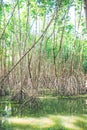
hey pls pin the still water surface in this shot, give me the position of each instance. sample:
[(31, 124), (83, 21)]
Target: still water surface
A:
[(44, 114)]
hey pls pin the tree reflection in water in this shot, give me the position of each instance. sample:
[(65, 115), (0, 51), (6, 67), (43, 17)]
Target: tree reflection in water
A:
[(42, 107)]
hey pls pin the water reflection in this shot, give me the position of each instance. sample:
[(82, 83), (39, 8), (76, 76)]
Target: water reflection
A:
[(5, 109), (42, 107)]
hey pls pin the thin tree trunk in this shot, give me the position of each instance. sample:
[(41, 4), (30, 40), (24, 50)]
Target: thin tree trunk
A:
[(20, 50), (85, 8)]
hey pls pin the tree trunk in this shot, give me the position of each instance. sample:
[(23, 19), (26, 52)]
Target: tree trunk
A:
[(85, 8)]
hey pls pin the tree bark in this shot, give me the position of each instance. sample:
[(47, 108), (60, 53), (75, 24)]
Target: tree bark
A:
[(85, 8)]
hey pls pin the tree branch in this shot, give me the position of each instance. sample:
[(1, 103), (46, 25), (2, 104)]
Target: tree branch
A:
[(8, 21), (34, 44)]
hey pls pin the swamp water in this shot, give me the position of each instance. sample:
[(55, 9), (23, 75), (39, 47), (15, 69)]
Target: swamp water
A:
[(47, 113)]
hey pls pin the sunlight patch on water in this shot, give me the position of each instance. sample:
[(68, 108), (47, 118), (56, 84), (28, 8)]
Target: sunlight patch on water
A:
[(68, 121), (49, 121), (37, 122)]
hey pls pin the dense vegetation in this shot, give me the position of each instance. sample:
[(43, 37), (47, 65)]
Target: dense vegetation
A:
[(43, 46), (43, 64)]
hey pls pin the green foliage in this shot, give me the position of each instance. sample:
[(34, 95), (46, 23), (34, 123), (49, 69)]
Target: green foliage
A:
[(85, 66), (69, 45), (82, 124), (1, 52), (1, 13), (7, 7)]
